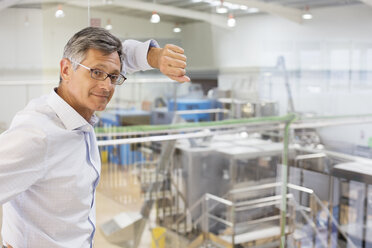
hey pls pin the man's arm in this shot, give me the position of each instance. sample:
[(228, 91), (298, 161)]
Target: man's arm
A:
[(22, 153), (141, 56)]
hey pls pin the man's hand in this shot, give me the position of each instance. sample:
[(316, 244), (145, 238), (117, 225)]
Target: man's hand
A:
[(170, 60)]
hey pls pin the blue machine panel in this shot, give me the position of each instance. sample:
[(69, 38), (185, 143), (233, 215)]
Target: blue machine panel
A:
[(192, 104)]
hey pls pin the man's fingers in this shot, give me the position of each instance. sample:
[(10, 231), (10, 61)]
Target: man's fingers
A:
[(175, 55), (174, 48), (175, 72), (182, 79), (174, 62)]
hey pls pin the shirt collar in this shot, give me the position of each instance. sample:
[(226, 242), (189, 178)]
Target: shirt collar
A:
[(69, 117)]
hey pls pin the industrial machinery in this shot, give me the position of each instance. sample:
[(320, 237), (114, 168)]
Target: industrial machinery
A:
[(225, 189)]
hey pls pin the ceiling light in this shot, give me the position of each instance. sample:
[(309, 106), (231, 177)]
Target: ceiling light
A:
[(215, 3), (177, 29), (231, 22), (243, 7), (109, 25), (109, 1), (26, 23), (59, 12), (307, 15), (244, 134), (253, 10), (221, 9), (235, 6), (228, 5), (155, 18)]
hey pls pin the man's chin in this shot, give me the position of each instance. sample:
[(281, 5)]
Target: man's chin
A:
[(100, 108)]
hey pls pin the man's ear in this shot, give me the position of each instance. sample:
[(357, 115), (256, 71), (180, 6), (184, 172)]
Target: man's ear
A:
[(66, 69)]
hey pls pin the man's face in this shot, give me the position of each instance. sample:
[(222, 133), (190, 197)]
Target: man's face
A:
[(86, 94)]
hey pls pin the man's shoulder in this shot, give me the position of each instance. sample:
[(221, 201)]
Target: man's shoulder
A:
[(37, 113)]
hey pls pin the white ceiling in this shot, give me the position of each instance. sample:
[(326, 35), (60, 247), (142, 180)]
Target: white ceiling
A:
[(186, 11)]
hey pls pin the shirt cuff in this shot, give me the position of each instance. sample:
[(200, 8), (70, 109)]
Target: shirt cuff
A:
[(141, 53)]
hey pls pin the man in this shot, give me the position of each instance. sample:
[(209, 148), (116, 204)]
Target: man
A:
[(49, 160)]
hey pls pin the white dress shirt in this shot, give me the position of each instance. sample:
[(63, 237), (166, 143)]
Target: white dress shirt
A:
[(135, 55), (49, 171)]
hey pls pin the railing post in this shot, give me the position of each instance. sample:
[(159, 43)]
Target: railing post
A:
[(283, 208), (204, 214), (314, 210), (233, 225)]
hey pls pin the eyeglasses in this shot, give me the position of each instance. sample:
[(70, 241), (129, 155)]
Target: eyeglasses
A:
[(117, 79)]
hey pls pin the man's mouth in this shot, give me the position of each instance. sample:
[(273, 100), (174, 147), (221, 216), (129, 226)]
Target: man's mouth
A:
[(100, 95)]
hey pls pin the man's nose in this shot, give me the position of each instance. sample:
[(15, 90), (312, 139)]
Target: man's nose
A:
[(106, 84)]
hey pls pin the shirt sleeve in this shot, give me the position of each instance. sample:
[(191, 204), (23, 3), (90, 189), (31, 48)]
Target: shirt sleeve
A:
[(135, 55), (22, 156)]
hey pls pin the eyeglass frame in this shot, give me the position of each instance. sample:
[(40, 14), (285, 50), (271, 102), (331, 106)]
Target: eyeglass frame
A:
[(107, 74)]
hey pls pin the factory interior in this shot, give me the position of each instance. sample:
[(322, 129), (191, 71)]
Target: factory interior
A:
[(268, 145)]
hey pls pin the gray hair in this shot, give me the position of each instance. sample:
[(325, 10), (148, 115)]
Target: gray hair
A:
[(91, 38)]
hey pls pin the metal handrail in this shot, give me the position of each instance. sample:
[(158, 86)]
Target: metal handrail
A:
[(219, 199), (261, 200), (267, 202), (228, 223), (270, 185)]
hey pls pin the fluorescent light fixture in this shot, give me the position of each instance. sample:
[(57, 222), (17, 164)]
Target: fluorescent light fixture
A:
[(231, 22), (59, 12), (307, 16), (253, 10), (243, 7), (155, 18)]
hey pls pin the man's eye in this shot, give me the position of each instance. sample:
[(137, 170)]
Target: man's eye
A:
[(98, 73), (114, 77)]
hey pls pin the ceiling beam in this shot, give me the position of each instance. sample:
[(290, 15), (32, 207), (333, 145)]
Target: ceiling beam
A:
[(368, 2), (7, 3), (292, 14), (213, 19)]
